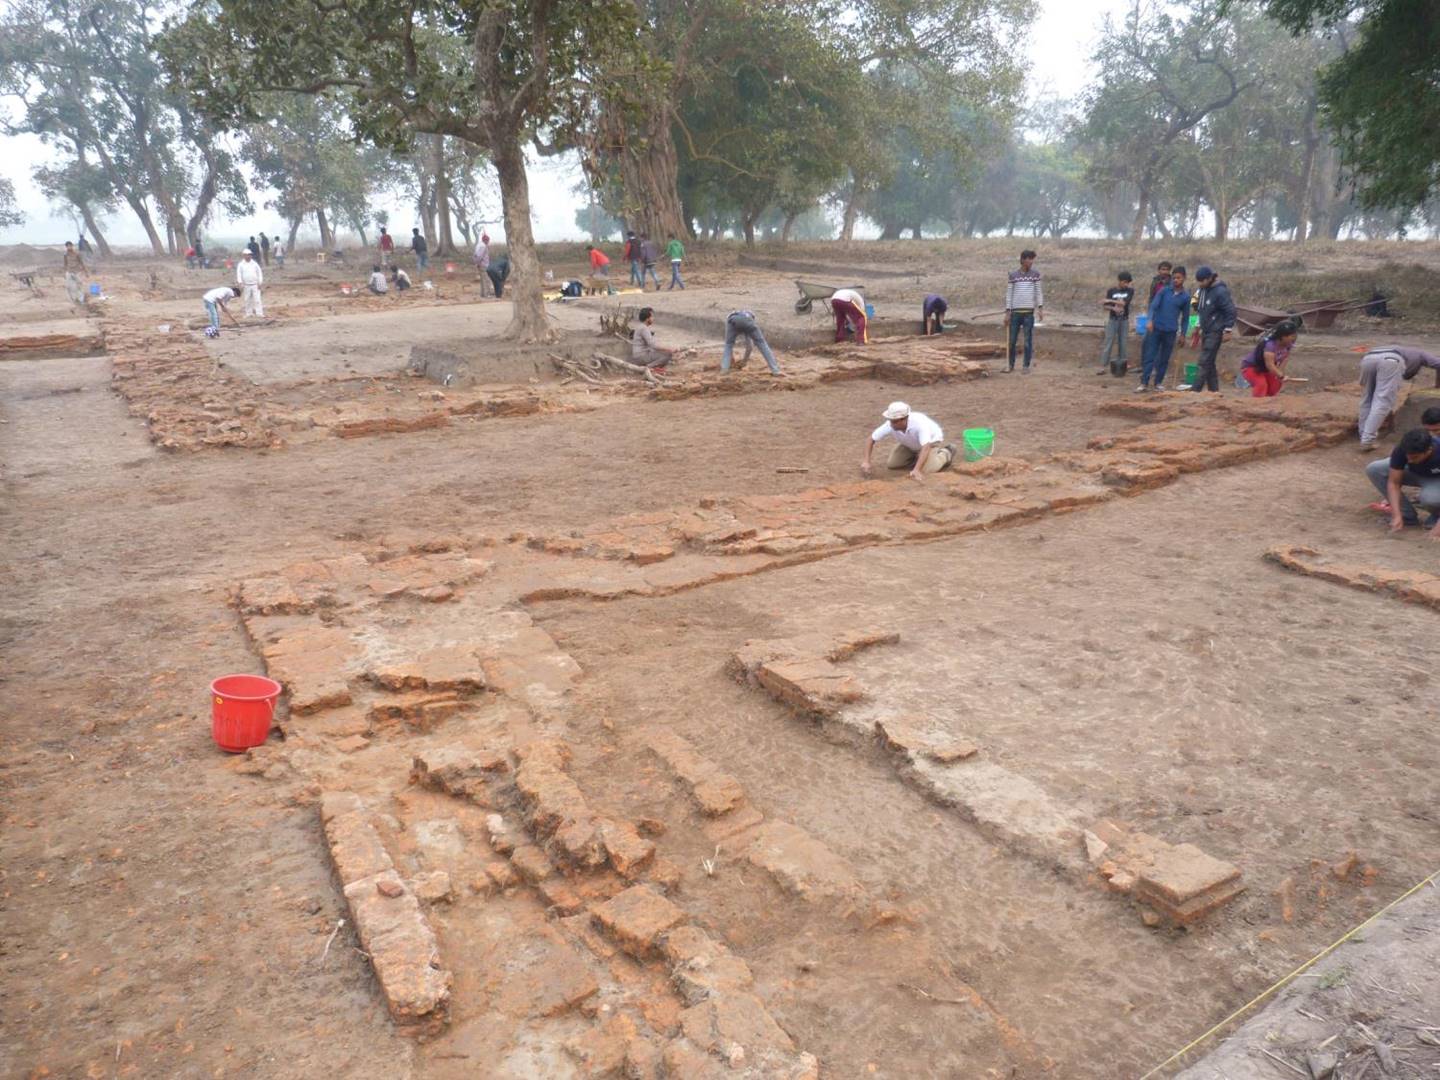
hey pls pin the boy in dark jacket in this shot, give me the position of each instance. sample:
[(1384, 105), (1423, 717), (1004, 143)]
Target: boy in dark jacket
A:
[(1117, 324), (1215, 321)]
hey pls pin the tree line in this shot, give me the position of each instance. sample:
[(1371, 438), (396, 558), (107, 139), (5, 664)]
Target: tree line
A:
[(706, 117)]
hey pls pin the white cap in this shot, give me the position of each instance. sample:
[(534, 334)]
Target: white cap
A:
[(898, 410), (246, 252)]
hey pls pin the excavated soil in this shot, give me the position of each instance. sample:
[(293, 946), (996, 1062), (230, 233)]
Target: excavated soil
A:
[(621, 620)]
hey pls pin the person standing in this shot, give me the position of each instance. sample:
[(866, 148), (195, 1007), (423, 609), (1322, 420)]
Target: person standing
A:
[(1160, 280), (215, 302), (250, 278), (742, 324), (632, 256), (1381, 371), (387, 246), (421, 247), (932, 314), (675, 252), (74, 266), (264, 250), (643, 349), (482, 261), (1169, 318), (1415, 462), (1264, 367), (1024, 300), (1117, 324), (848, 307), (648, 257), (1214, 324), (254, 249), (919, 442), (277, 249)]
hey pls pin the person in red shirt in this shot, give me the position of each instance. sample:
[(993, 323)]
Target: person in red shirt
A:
[(599, 268), (387, 246)]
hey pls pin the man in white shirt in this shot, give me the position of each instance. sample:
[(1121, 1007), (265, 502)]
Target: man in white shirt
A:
[(482, 261), (920, 444), (250, 277)]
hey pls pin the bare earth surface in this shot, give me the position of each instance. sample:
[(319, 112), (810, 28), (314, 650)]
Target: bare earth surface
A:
[(861, 859)]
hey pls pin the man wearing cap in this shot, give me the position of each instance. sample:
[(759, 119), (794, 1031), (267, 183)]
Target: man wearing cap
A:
[(250, 277), (919, 442), (1214, 325), (1381, 372)]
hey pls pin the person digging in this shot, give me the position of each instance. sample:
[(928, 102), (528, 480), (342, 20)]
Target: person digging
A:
[(215, 302), (920, 442)]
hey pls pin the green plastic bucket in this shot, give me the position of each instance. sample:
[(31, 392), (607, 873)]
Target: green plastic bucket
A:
[(1192, 372), (979, 443)]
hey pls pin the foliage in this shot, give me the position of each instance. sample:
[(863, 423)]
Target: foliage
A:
[(9, 213), (1382, 95)]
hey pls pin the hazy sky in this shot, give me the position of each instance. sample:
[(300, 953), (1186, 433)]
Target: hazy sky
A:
[(1059, 44)]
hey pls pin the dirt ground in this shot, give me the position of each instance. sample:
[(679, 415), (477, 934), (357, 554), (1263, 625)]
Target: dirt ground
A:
[(168, 910)]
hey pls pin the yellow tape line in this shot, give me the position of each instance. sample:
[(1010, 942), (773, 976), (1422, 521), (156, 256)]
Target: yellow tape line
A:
[(1298, 971)]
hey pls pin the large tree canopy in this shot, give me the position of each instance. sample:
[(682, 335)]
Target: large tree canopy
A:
[(1382, 95)]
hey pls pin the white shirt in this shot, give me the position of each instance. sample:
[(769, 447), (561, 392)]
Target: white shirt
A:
[(214, 296), (248, 272), (850, 296), (482, 254), (277, 248), (920, 431)]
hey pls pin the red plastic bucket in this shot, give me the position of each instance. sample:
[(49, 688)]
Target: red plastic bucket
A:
[(242, 708)]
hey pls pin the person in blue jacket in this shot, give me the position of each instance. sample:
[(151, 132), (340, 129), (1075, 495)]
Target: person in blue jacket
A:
[(1169, 319), (1214, 323)]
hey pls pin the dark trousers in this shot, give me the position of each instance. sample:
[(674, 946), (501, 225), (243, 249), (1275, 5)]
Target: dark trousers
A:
[(497, 281), (1159, 344), (1022, 320), (1209, 377)]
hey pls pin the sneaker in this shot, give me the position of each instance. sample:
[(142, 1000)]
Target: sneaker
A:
[(1103, 371), (1367, 447), (1142, 388), (1025, 370)]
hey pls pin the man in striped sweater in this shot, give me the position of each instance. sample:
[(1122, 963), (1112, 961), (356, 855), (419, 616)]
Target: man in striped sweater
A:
[(1024, 300)]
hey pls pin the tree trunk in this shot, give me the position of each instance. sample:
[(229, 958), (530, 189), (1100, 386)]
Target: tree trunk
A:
[(294, 230), (914, 232), (891, 231), (157, 246), (786, 226), (1142, 215), (852, 211), (327, 238), (94, 230), (530, 322)]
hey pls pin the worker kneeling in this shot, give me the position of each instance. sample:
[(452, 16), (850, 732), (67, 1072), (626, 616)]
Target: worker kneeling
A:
[(920, 444)]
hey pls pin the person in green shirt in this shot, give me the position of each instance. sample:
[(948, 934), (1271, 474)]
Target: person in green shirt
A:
[(675, 252)]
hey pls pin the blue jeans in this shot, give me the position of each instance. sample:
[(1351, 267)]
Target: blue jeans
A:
[(1022, 320), (213, 310), (738, 325), (650, 269), (1159, 344), (422, 260), (635, 277), (675, 278)]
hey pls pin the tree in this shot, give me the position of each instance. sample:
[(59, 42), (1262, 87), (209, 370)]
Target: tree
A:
[(1381, 96), (9, 213), (1160, 77), (492, 74), (84, 190)]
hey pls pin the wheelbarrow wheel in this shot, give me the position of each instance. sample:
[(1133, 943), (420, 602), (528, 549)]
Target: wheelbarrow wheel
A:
[(803, 305)]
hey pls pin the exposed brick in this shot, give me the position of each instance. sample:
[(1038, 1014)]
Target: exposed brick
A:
[(636, 918)]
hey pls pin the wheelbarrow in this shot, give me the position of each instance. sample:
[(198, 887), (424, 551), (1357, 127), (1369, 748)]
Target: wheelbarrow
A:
[(811, 291)]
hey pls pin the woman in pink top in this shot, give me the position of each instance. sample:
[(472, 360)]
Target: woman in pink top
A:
[(1264, 368)]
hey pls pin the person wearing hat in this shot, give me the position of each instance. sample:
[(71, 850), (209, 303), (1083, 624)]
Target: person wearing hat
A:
[(920, 444), (250, 277), (1215, 322)]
